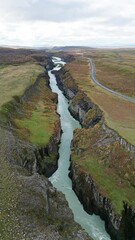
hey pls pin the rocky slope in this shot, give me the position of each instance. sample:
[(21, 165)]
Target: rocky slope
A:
[(38, 210), (110, 150)]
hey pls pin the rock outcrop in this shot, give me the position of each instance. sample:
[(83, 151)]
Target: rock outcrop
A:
[(39, 211), (93, 201), (80, 106)]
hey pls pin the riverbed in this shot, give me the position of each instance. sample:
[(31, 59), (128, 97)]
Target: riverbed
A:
[(93, 225)]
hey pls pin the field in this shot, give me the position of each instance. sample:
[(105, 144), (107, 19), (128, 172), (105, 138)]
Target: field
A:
[(115, 69), (15, 79), (119, 114)]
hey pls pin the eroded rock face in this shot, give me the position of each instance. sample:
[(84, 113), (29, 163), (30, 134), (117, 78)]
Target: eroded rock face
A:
[(120, 227), (44, 211), (47, 157), (66, 83), (93, 201), (80, 106)]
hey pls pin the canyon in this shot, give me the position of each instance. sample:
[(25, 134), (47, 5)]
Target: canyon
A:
[(101, 169)]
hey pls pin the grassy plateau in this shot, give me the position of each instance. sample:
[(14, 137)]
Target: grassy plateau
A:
[(39, 122), (15, 79), (119, 114)]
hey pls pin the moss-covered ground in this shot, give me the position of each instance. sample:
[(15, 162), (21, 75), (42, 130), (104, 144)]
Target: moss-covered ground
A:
[(39, 120)]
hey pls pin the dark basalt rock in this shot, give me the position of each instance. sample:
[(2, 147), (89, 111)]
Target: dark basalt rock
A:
[(79, 103), (42, 212), (93, 201), (47, 159), (69, 91), (120, 227)]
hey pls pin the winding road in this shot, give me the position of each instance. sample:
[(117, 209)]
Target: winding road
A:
[(92, 74)]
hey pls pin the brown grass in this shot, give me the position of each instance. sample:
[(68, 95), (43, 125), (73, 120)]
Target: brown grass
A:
[(115, 68), (119, 114), (119, 76), (15, 79)]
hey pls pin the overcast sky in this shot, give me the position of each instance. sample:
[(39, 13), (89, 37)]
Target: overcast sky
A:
[(67, 22)]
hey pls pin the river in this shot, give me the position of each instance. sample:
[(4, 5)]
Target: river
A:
[(93, 225)]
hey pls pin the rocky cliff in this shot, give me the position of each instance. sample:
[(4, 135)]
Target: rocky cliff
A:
[(119, 225), (93, 201)]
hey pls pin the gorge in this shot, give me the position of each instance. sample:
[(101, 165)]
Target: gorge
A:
[(92, 224), (99, 169)]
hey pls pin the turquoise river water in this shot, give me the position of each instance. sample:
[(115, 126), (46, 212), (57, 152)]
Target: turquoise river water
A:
[(92, 224)]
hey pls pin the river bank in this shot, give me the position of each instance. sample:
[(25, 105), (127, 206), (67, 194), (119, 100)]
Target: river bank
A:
[(92, 224)]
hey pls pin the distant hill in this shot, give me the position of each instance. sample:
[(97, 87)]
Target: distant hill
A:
[(20, 55), (64, 48)]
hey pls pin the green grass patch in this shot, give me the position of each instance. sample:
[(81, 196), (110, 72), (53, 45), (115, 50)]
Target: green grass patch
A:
[(127, 132), (39, 120), (39, 126), (107, 182)]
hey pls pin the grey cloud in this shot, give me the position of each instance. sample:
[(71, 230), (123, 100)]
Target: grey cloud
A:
[(72, 21), (65, 10), (48, 10), (119, 21)]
